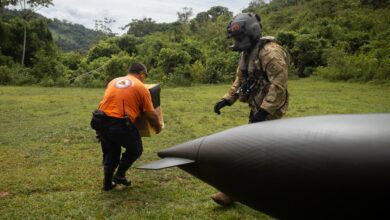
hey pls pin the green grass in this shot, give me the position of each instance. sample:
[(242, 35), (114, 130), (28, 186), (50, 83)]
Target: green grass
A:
[(51, 162)]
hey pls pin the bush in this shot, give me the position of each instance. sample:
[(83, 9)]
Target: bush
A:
[(169, 59), (102, 49), (182, 76), (198, 71), (71, 60), (117, 66), (361, 68), (47, 82), (47, 67), (287, 39), (62, 82), (5, 75), (215, 69), (128, 43), (307, 52), (220, 67), (22, 76), (88, 80)]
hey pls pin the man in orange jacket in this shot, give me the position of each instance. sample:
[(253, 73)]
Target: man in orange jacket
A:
[(124, 100)]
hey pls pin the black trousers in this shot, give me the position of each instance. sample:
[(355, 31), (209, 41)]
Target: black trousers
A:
[(113, 138)]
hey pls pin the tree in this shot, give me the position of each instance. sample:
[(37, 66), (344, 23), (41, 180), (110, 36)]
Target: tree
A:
[(307, 54), (170, 58), (104, 25), (143, 27), (184, 16), (28, 7), (128, 43), (102, 49), (11, 38), (287, 38), (212, 14), (254, 5)]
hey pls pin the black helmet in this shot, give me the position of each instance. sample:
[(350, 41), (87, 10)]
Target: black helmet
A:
[(245, 29)]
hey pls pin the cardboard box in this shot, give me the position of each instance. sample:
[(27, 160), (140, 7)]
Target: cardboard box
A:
[(143, 125)]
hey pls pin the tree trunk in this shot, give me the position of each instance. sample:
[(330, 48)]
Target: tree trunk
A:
[(24, 43)]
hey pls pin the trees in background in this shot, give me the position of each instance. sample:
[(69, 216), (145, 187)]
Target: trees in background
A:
[(146, 26), (336, 40), (27, 9)]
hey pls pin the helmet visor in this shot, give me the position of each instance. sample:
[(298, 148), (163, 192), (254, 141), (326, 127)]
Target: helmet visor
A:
[(235, 29)]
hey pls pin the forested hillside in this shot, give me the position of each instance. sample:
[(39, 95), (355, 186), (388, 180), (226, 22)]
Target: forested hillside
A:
[(338, 40), (334, 40), (73, 37), (66, 35)]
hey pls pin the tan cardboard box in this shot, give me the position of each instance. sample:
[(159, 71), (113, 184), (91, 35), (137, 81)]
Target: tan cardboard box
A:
[(144, 127)]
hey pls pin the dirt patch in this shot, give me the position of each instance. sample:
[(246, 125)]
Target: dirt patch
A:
[(4, 194)]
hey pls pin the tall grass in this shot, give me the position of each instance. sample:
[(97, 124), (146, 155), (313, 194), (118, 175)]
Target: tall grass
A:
[(51, 162)]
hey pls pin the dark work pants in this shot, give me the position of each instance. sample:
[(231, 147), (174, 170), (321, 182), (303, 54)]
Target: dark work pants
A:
[(113, 139)]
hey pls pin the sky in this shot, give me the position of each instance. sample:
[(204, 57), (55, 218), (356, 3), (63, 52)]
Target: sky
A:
[(84, 12)]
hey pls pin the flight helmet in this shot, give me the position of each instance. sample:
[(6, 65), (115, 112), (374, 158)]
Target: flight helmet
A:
[(245, 29)]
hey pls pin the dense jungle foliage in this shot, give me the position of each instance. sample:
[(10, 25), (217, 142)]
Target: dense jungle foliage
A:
[(334, 40)]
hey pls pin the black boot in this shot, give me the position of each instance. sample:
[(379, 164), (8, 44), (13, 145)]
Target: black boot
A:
[(119, 177), (108, 184), (121, 180)]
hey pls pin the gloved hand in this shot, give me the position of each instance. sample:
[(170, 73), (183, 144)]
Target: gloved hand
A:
[(261, 115), (220, 104)]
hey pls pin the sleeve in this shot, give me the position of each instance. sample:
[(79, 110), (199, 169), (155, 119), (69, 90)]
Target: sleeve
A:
[(232, 95), (275, 64), (146, 101)]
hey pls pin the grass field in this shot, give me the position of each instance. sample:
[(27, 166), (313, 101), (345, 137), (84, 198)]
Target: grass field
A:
[(51, 162)]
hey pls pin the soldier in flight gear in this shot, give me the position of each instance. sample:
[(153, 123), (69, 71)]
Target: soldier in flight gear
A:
[(261, 76)]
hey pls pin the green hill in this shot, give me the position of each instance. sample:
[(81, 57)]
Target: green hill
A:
[(339, 40), (73, 37), (66, 35)]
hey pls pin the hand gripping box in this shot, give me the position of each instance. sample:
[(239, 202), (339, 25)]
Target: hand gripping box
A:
[(144, 128)]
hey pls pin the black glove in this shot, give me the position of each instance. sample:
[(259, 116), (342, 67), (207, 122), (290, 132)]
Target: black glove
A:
[(220, 104), (261, 115)]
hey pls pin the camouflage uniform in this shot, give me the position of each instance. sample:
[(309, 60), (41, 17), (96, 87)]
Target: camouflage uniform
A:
[(261, 79)]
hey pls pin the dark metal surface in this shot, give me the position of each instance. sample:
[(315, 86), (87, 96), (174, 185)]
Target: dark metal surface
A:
[(319, 167)]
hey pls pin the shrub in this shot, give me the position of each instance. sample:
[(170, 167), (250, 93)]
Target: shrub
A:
[(22, 76), (361, 68), (198, 71), (88, 80), (118, 66), (71, 60), (287, 38), (102, 49), (46, 66), (5, 75), (169, 59), (307, 52), (182, 76)]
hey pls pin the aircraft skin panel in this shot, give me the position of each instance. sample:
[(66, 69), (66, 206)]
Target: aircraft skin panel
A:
[(317, 167)]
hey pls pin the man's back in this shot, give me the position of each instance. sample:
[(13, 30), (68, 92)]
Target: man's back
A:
[(127, 92)]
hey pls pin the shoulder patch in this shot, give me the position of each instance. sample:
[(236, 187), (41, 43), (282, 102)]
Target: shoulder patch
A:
[(122, 83), (273, 67)]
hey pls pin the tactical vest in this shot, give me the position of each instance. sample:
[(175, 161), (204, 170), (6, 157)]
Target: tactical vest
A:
[(255, 83)]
